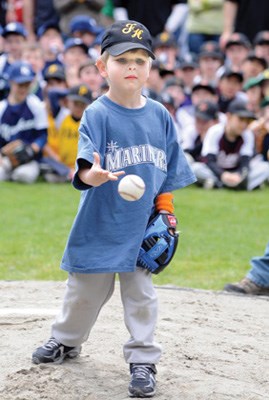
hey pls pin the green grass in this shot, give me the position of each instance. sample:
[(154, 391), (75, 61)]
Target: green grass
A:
[(220, 232)]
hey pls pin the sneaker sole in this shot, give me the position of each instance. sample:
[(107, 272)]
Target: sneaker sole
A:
[(139, 394)]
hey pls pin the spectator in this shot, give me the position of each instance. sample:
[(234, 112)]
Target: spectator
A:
[(37, 13), (261, 130), (75, 54), (175, 88), (14, 35), (14, 38), (236, 51), (3, 10), (89, 75), (188, 71), (206, 115), (244, 16), (228, 150), (169, 103), (68, 9), (261, 45), (204, 22), (14, 11), (33, 54), (230, 87), (55, 93), (256, 281), (155, 82), (157, 15), (166, 50), (22, 116), (209, 64), (253, 66), (85, 28), (78, 98), (201, 91), (51, 41)]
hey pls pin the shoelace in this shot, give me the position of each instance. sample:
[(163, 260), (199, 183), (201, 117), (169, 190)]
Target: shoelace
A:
[(140, 372), (51, 344)]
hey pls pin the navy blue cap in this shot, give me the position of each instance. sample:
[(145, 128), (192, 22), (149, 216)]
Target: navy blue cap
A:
[(126, 35), (75, 42), (83, 23), (47, 25), (15, 28), (20, 72), (55, 71)]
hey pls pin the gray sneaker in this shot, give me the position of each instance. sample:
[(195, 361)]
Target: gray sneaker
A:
[(143, 382), (246, 286), (54, 352)]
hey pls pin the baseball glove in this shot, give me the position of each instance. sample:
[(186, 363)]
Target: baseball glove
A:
[(18, 152), (159, 244)]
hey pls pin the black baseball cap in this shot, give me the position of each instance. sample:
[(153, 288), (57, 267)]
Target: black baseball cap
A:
[(206, 86), (239, 108), (228, 73), (206, 110), (261, 38), (239, 39), (126, 35), (80, 93), (55, 71)]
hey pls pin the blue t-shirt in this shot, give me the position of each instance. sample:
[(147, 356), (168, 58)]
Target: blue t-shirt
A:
[(108, 231)]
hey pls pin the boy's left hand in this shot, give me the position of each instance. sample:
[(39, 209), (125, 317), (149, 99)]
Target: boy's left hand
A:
[(96, 175)]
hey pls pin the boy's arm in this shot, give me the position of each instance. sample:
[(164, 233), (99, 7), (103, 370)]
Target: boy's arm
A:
[(96, 175)]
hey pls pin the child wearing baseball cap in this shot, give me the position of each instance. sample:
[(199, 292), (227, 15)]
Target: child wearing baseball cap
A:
[(120, 132)]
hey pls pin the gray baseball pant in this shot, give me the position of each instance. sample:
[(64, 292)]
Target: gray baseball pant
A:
[(85, 296)]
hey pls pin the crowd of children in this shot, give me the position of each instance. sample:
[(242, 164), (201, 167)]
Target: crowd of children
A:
[(218, 98)]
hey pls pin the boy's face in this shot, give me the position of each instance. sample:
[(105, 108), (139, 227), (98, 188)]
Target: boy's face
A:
[(76, 108), (90, 75), (75, 56), (13, 45), (202, 94), (237, 124), (229, 86), (128, 71), (35, 58), (19, 91)]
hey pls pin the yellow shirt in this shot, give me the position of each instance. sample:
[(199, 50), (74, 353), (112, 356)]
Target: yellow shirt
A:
[(68, 141)]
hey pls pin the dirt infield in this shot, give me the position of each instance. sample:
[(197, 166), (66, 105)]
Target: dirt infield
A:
[(216, 347)]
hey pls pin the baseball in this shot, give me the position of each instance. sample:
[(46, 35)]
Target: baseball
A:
[(131, 187)]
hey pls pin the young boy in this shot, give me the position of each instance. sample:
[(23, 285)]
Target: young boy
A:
[(119, 130)]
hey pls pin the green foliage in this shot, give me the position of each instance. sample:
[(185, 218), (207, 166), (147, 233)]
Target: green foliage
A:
[(220, 231)]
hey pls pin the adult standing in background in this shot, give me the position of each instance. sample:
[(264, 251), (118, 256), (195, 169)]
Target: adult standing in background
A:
[(156, 15), (244, 16), (68, 9), (36, 13), (204, 22)]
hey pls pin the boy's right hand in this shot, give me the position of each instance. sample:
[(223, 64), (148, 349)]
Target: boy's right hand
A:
[(96, 175)]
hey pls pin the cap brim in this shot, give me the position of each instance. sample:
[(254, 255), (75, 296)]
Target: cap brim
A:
[(22, 80), (245, 114), (75, 97), (204, 117), (121, 48)]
